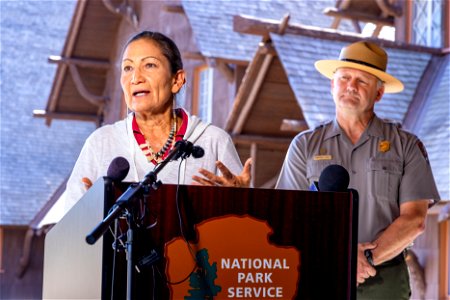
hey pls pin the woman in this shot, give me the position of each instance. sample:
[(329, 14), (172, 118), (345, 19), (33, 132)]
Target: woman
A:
[(151, 75)]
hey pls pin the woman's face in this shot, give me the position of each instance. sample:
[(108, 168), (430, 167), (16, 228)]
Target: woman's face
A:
[(146, 78)]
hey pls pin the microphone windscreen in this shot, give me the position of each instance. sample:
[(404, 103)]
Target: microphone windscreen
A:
[(118, 169), (197, 152), (334, 178)]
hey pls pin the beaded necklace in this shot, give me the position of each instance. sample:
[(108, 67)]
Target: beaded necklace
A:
[(158, 156)]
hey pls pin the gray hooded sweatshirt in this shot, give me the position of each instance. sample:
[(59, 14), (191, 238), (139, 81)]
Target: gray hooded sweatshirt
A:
[(111, 141)]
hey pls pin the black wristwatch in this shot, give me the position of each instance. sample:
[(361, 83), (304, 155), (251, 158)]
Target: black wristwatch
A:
[(368, 254)]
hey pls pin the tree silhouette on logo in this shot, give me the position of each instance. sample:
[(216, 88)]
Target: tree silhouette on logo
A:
[(202, 280)]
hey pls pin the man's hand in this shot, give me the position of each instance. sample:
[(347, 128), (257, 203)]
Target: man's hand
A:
[(228, 178), (364, 269)]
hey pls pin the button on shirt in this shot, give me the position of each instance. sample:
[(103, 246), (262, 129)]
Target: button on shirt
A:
[(387, 166)]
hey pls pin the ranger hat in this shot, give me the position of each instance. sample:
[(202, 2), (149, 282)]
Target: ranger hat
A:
[(364, 56)]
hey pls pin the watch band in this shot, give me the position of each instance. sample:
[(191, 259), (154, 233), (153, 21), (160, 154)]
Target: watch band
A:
[(369, 257)]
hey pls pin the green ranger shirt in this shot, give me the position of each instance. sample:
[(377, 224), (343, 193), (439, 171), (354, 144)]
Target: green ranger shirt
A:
[(387, 166)]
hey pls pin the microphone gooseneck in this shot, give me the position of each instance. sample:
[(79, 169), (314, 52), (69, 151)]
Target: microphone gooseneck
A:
[(119, 168)]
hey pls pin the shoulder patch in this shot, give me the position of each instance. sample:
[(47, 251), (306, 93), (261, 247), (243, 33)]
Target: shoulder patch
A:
[(422, 150)]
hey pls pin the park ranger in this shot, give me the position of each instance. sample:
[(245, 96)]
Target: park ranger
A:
[(388, 166)]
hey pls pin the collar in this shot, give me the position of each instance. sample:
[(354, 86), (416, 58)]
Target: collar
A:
[(374, 128), (180, 133), (332, 129), (140, 138)]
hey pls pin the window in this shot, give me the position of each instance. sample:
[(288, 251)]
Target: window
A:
[(427, 23), (203, 93), (387, 32)]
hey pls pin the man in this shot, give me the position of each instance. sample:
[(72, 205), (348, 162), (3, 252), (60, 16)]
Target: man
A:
[(387, 165)]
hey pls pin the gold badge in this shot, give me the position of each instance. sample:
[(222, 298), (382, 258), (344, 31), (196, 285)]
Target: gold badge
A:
[(384, 146), (322, 157)]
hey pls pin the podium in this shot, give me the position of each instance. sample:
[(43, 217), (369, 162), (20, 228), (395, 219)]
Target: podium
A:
[(247, 243)]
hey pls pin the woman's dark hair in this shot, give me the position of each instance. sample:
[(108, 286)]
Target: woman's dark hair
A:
[(167, 46)]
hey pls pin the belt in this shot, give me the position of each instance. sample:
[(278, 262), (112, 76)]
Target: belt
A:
[(396, 260)]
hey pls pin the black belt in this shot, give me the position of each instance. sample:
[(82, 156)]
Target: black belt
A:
[(396, 260)]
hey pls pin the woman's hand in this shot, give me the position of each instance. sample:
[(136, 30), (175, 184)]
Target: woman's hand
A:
[(227, 178), (87, 183)]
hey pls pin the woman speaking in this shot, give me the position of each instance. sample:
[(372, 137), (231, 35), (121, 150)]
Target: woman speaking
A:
[(151, 76)]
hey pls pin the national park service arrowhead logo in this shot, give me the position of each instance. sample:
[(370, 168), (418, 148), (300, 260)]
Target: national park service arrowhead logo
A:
[(233, 259)]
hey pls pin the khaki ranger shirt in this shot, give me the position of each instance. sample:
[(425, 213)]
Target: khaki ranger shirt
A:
[(387, 166)]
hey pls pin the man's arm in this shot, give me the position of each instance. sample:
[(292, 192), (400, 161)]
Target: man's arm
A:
[(402, 232), (399, 235)]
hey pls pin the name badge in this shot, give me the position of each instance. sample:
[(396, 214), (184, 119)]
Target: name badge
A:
[(322, 157)]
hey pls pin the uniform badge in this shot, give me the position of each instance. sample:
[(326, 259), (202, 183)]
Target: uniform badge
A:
[(322, 155), (384, 146)]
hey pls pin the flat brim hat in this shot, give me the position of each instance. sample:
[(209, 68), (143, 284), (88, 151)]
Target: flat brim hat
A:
[(364, 56)]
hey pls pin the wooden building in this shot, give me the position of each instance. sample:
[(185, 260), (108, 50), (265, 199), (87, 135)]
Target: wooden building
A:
[(250, 70)]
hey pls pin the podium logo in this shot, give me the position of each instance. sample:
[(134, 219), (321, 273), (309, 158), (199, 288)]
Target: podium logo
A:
[(233, 259), (202, 280)]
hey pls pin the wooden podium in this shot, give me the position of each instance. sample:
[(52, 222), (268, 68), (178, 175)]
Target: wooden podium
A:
[(320, 226)]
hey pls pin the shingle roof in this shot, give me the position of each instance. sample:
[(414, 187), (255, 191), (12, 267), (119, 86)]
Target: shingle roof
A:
[(312, 90), (34, 158), (212, 22)]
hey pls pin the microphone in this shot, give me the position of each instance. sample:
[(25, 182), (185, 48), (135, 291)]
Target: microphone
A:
[(118, 169), (197, 152), (184, 149), (181, 149), (334, 178)]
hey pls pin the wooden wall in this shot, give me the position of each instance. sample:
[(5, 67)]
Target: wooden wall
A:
[(425, 281), (29, 286)]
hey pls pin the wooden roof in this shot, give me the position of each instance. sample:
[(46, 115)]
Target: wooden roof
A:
[(265, 99), (212, 23), (81, 75), (79, 90), (302, 95)]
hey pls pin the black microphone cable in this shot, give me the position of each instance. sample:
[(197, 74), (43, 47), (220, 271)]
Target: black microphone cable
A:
[(183, 236), (196, 152)]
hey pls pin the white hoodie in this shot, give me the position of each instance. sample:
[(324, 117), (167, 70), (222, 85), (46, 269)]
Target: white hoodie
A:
[(111, 141)]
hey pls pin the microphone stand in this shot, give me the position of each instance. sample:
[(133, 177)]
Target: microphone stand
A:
[(181, 149)]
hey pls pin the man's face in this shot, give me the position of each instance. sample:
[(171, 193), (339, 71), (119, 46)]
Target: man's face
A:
[(355, 91)]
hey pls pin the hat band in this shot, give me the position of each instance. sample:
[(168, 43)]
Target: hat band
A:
[(362, 63)]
